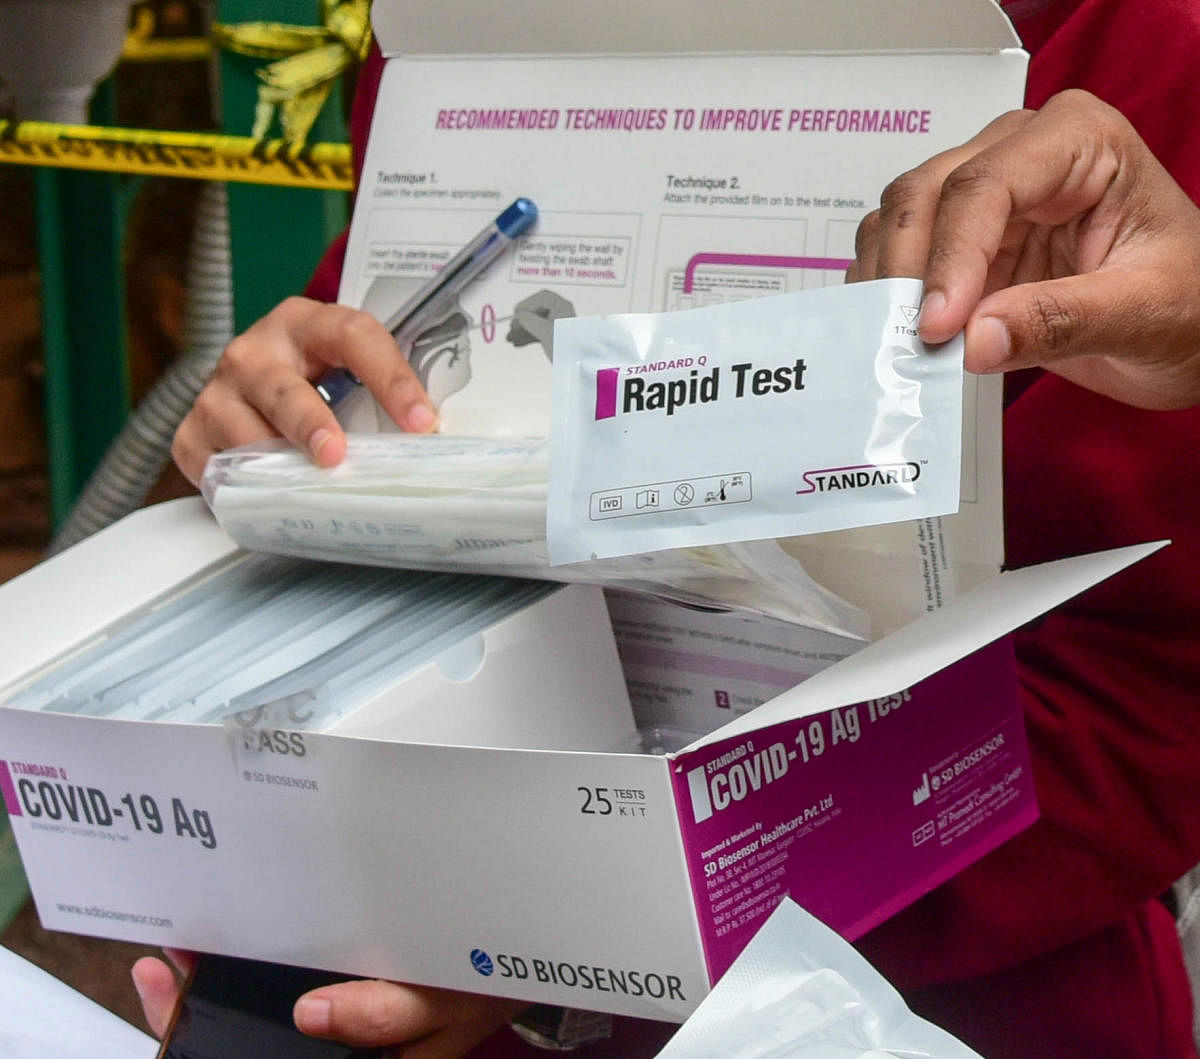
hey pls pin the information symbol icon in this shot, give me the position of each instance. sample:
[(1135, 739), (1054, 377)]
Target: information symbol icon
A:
[(684, 494)]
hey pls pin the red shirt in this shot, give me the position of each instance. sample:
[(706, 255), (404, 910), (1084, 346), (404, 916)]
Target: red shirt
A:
[(1056, 945)]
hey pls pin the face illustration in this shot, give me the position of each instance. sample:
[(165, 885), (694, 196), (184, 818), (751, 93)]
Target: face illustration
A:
[(441, 357), (533, 320)]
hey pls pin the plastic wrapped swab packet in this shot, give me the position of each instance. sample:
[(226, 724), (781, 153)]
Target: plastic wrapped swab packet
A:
[(367, 647), (311, 630), (478, 505), (188, 618), (335, 686), (251, 632), (453, 628), (325, 632), (301, 644)]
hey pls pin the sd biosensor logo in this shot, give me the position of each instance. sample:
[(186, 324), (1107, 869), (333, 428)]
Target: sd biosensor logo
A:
[(658, 985)]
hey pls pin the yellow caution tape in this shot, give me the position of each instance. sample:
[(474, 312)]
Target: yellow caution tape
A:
[(165, 49), (202, 156), (308, 62), (142, 46)]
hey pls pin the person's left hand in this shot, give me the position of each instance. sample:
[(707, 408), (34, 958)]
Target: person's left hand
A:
[(425, 1023)]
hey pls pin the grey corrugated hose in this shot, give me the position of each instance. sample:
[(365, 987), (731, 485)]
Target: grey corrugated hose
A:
[(137, 457)]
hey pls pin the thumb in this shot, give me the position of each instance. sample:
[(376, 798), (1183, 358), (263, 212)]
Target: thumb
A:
[(369, 1014), (364, 1014), (1115, 331), (1041, 324)]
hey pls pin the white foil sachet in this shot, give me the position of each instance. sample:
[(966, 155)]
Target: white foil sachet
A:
[(799, 991), (807, 412)]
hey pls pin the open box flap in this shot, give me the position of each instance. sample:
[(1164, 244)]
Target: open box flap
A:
[(627, 27), (938, 639), (60, 605)]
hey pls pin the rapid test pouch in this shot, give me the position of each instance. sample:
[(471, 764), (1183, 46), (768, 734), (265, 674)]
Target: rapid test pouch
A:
[(801, 413)]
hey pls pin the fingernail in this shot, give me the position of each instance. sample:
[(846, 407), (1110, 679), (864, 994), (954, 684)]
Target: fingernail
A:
[(933, 304), (312, 1015), (318, 441), (988, 344), (419, 419)]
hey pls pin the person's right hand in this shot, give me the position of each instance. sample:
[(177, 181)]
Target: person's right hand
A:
[(417, 1022), (262, 385), (1056, 239)]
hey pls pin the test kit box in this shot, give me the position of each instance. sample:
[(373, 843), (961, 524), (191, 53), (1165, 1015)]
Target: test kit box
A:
[(472, 827)]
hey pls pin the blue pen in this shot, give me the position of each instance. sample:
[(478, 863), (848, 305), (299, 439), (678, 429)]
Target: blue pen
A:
[(436, 298)]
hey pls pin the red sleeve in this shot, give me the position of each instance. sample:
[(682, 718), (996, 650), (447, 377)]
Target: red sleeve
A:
[(1140, 57), (1110, 682), (324, 283)]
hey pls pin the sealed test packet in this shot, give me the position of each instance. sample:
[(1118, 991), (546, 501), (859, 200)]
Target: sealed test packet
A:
[(774, 417), (799, 991)]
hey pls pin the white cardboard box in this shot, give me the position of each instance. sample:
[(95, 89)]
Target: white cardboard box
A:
[(424, 841), (438, 840)]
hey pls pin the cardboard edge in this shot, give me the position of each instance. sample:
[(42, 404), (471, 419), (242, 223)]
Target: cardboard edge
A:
[(938, 639), (464, 28)]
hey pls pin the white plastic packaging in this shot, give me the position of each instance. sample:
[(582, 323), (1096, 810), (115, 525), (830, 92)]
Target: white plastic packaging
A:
[(802, 413), (478, 505), (268, 640), (799, 991)]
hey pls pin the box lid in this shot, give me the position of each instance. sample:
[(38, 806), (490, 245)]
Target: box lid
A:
[(921, 648), (627, 27)]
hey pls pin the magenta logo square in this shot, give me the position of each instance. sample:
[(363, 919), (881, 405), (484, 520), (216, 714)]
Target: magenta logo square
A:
[(722, 698), (606, 392), (6, 790)]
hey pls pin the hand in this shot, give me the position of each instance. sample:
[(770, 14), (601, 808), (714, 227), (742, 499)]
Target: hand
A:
[(430, 1023), (262, 385), (158, 988), (1056, 239)]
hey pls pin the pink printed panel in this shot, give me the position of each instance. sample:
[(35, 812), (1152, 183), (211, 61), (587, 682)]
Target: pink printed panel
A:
[(856, 812)]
